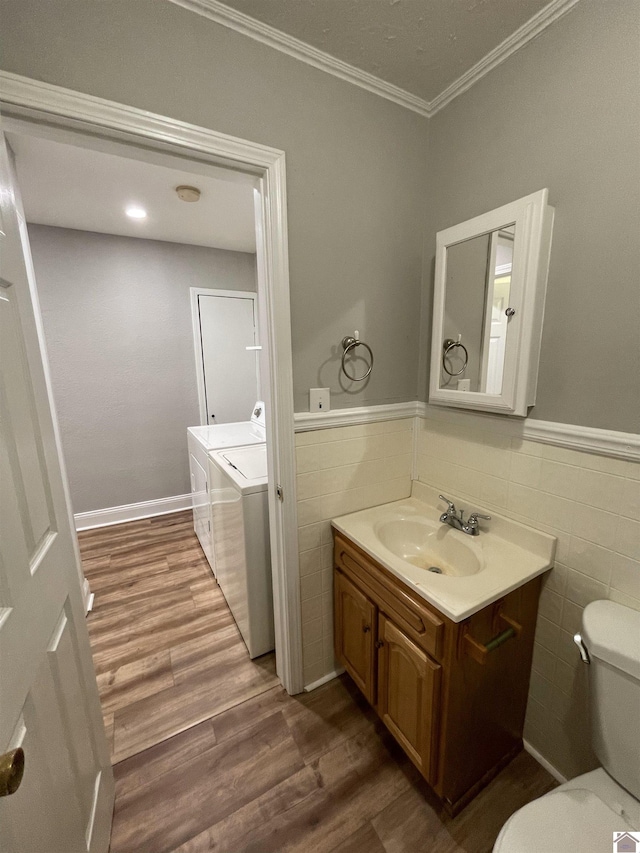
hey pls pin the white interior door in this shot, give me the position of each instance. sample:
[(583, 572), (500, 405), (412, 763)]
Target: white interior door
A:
[(49, 699), (227, 328)]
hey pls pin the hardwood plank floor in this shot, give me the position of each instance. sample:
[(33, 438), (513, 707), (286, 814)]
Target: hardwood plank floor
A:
[(210, 752), (167, 652)]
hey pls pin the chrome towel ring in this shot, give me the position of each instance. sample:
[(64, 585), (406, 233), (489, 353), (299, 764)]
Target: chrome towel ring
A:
[(350, 343), (448, 345)]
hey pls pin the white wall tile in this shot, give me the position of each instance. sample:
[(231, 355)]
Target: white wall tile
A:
[(310, 561), (312, 653), (630, 503), (590, 559), (598, 489), (310, 586), (591, 503), (550, 605), (525, 470), (310, 536), (582, 589), (558, 479), (628, 538), (555, 511), (625, 575), (547, 633), (307, 458), (312, 631), (544, 661), (594, 525), (341, 470)]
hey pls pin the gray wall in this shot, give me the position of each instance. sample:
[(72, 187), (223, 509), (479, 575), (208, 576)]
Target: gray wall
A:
[(117, 320), (356, 163), (561, 113)]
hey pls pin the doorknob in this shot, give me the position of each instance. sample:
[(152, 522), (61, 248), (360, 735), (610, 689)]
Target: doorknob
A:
[(11, 771)]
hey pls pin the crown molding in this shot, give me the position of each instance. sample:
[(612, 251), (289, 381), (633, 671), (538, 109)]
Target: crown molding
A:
[(522, 36), (270, 36), (247, 26)]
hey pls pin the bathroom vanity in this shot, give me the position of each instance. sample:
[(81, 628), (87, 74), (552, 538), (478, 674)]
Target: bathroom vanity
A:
[(448, 679)]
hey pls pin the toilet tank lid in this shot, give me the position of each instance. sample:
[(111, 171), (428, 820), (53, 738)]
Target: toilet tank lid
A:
[(611, 633)]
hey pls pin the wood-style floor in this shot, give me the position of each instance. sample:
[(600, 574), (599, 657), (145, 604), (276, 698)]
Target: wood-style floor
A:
[(167, 652), (212, 755)]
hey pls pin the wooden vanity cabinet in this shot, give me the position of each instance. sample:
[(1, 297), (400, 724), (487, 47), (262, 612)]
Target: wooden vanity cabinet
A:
[(456, 709)]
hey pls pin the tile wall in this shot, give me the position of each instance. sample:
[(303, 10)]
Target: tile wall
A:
[(591, 503), (340, 470)]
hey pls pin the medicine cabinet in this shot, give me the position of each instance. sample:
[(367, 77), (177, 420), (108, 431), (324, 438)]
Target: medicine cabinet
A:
[(490, 285)]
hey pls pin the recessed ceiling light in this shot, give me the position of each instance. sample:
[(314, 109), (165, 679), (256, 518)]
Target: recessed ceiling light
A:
[(136, 212)]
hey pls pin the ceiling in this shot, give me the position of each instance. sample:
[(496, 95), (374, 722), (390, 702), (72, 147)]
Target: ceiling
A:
[(420, 46), (72, 187)]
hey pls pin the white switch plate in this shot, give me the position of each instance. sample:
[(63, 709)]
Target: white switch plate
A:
[(319, 399)]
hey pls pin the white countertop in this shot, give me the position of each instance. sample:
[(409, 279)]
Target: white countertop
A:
[(509, 555)]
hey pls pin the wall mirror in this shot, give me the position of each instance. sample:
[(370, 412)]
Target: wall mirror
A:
[(490, 284)]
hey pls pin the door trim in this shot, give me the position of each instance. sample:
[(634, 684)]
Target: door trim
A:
[(195, 292), (34, 101)]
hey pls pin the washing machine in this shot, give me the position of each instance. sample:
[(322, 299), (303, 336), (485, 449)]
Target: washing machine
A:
[(240, 534), (200, 441)]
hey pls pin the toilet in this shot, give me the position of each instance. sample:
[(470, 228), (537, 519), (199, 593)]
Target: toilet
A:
[(590, 812)]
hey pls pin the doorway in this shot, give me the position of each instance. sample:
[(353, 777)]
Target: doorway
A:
[(225, 342), (42, 110)]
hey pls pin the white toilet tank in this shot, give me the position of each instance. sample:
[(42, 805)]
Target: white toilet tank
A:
[(611, 634)]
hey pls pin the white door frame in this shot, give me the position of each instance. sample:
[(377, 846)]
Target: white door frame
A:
[(195, 292), (24, 98)]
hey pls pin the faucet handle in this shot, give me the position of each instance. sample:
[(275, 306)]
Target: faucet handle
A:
[(473, 518), (452, 506)]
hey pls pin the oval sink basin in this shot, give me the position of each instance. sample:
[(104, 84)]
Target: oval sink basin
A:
[(429, 546)]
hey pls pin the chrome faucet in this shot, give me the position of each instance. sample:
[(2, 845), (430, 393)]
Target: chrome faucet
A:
[(451, 517), (455, 520)]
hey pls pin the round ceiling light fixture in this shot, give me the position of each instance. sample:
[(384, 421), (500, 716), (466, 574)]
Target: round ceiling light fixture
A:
[(136, 212), (187, 193)]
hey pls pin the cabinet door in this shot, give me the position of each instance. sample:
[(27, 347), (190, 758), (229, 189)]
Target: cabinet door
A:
[(354, 630), (408, 695)]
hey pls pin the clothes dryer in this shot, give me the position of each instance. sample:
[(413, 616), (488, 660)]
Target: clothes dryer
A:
[(240, 533)]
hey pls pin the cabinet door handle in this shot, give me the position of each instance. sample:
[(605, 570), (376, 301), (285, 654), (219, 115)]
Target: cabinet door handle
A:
[(366, 628), (379, 644)]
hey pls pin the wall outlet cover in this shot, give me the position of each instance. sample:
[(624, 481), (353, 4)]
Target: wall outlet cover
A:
[(319, 399)]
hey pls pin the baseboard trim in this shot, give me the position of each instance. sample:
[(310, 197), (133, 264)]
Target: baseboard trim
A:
[(131, 512), (533, 752), (307, 421), (88, 597), (324, 680)]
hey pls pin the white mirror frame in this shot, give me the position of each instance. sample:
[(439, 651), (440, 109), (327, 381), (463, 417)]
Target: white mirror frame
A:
[(533, 220)]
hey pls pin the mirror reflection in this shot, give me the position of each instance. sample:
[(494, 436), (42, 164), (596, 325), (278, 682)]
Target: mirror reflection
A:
[(477, 289)]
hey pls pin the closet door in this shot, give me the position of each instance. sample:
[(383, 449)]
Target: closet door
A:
[(227, 328)]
